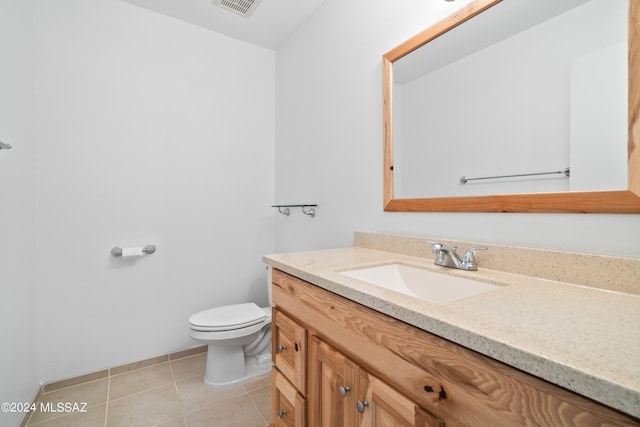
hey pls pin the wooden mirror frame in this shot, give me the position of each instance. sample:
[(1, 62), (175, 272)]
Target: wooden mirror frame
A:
[(622, 201)]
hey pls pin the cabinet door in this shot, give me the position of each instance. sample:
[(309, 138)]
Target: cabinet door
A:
[(290, 350), (333, 379), (379, 405), (288, 405)]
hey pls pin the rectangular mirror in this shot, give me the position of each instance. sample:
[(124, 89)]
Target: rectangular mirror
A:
[(516, 106)]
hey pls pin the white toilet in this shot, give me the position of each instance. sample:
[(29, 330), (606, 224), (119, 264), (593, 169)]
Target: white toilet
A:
[(239, 340)]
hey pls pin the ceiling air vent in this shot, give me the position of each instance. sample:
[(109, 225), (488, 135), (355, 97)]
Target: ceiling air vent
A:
[(241, 7)]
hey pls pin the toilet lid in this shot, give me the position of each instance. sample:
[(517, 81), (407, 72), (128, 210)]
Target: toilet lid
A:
[(228, 317)]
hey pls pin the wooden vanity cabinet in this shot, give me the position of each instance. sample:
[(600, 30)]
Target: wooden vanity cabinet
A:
[(289, 347), (289, 405), (364, 368), (332, 382), (347, 395), (380, 405)]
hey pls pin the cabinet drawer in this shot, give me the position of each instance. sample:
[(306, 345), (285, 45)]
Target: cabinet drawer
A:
[(290, 350), (288, 405)]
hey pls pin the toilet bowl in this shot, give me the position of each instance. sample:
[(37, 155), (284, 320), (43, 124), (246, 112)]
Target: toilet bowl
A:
[(239, 343)]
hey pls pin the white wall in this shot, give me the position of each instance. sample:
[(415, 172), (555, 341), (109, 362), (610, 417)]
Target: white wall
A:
[(148, 130), (329, 142), (18, 363), (599, 113)]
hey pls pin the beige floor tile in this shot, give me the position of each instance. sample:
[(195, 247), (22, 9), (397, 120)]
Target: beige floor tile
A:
[(259, 383), (189, 367), (195, 396), (235, 412), (147, 409), (92, 393), (170, 394), (93, 417), (140, 380), (261, 397), (176, 422)]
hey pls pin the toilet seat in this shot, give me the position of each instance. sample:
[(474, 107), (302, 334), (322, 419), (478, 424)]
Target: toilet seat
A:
[(227, 318)]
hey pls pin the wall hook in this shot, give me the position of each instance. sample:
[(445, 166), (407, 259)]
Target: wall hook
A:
[(284, 211), (309, 211), (5, 146)]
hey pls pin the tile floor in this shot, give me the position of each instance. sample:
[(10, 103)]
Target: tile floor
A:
[(168, 394)]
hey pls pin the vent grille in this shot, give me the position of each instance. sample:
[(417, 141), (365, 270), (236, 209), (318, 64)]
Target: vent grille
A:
[(241, 7)]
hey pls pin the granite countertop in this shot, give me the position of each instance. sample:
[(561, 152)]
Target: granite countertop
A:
[(581, 338)]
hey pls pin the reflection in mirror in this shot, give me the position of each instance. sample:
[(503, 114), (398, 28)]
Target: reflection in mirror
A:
[(522, 88), (552, 95)]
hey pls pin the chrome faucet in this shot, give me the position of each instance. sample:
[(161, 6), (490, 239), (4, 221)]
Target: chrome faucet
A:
[(447, 256)]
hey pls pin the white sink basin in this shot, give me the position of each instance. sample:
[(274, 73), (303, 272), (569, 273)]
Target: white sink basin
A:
[(424, 284)]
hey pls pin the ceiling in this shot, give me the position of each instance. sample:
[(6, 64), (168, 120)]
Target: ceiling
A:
[(268, 26)]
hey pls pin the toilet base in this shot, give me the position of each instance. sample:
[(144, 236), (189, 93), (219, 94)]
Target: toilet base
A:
[(253, 373), (253, 370)]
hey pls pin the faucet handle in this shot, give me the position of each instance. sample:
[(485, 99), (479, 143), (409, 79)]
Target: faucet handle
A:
[(469, 258), (436, 247)]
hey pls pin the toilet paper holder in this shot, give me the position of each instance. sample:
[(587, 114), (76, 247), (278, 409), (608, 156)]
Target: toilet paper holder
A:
[(149, 249)]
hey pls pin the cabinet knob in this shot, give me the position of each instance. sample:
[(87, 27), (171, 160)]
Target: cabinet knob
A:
[(344, 390), (281, 348), (281, 413), (362, 405)]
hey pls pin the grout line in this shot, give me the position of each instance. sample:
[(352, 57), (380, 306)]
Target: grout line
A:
[(175, 384), (106, 409), (137, 369), (141, 392), (255, 405)]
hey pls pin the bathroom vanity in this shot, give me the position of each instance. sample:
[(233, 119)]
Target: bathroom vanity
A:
[(531, 352)]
